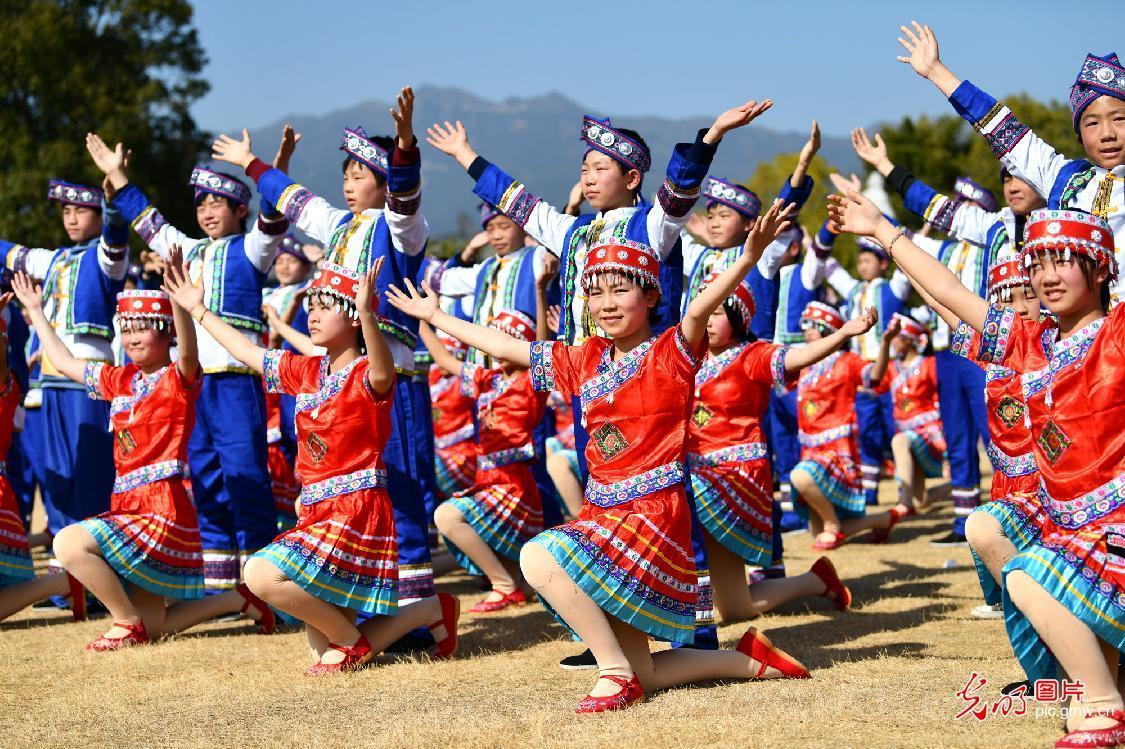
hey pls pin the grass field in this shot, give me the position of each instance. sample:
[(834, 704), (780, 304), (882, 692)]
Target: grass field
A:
[(885, 674)]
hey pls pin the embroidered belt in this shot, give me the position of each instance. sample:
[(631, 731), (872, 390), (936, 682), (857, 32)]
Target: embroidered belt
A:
[(732, 454), (506, 457), (1091, 506), (273, 435), (1019, 465), (455, 437), (929, 417), (816, 439), (620, 492), (368, 478), (147, 475)]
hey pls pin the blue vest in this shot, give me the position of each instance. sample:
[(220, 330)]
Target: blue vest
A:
[(793, 298)]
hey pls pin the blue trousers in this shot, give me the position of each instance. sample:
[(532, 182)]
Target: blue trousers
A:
[(876, 415), (229, 475), (706, 632), (21, 475), (964, 421), (424, 446), (552, 502), (412, 523), (76, 449)]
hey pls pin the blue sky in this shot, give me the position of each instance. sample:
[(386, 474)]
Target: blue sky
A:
[(833, 61)]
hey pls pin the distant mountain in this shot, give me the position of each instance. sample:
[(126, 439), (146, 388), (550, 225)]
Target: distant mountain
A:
[(535, 139)]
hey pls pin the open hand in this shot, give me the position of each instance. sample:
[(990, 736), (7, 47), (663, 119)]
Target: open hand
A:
[(812, 145), (697, 226), (289, 140), (422, 306), (549, 270), (554, 313), (27, 291), (403, 114), (768, 228), (177, 284), (110, 161), (859, 325), (853, 213), (842, 184), (237, 152), (922, 46), (894, 327), (733, 119), (874, 153), (450, 138), (365, 301)]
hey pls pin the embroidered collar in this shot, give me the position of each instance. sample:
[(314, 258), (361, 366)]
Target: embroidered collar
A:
[(142, 386), (613, 374), (1070, 351), (713, 365), (905, 374), (812, 374), (328, 385)]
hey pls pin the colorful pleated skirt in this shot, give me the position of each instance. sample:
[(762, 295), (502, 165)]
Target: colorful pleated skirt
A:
[(15, 556), (503, 508), (343, 550), (734, 504), (456, 467), (1084, 569), (150, 537), (835, 470), (633, 558), (1021, 519), (927, 445)]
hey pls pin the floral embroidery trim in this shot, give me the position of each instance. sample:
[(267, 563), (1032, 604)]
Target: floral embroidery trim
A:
[(643, 484), (455, 437), (543, 366), (510, 455), (330, 385), (1086, 508), (93, 379), (612, 375), (271, 372), (996, 334), (142, 386), (716, 364), (816, 439), (148, 475), (1010, 466), (918, 420), (745, 452), (368, 478)]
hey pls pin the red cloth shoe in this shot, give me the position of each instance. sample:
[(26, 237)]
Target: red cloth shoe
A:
[(824, 569), (515, 598), (880, 535), (267, 622), (760, 649), (137, 636), (355, 656), (835, 543), (631, 693), (77, 598), (1112, 736), (450, 613)]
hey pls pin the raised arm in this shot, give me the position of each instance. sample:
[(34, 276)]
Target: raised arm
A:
[(799, 357), (771, 224), (186, 343), (858, 215), (424, 306), (449, 363), (380, 362), (883, 358), (31, 297), (407, 225), (288, 333), (950, 319), (190, 297)]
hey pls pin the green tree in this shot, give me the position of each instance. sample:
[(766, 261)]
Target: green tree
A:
[(127, 69), (938, 150)]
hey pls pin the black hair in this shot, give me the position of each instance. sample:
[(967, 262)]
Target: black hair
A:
[(740, 327), (1089, 270), (635, 136), (387, 143), (200, 197)]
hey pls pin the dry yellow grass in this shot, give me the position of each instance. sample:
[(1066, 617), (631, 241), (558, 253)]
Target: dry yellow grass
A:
[(884, 675)]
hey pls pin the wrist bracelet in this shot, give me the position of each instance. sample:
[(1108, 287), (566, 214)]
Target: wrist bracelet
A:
[(199, 318), (898, 236)]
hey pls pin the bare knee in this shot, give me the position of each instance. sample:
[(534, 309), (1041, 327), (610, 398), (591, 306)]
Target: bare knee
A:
[(537, 565), (900, 443), (1021, 587), (447, 516), (983, 531), (72, 542), (802, 482), (262, 577)]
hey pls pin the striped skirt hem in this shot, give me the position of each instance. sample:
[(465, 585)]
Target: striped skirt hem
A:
[(130, 545)]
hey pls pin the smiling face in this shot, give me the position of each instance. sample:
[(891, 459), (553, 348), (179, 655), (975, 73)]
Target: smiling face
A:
[(217, 218), (619, 305), (289, 269), (362, 190), (81, 223), (1020, 196), (1024, 302), (1062, 286), (1101, 128), (328, 328), (145, 346), (727, 227), (606, 184), (505, 235)]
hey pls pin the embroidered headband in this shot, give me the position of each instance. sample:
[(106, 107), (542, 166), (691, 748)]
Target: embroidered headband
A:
[(149, 305), (601, 135), (819, 313), (1099, 76), (912, 330), (361, 148), (967, 188), (742, 199), (487, 213), (290, 246), (742, 298), (338, 282), (455, 345), (218, 183), (633, 260), (514, 323), (72, 193), (1064, 232)]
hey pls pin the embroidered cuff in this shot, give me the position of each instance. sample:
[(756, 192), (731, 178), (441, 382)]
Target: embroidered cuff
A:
[(542, 366), (962, 341), (996, 335), (93, 380), (271, 372)]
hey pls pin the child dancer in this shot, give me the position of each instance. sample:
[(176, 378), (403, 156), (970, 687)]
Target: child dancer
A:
[(1067, 586), (623, 570), (341, 558), (382, 190), (489, 523), (730, 476), (455, 459), (827, 478), (147, 547), (911, 379), (1097, 99), (227, 451)]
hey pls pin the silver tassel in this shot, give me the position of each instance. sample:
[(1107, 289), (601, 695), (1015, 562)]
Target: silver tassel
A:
[(1066, 255)]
